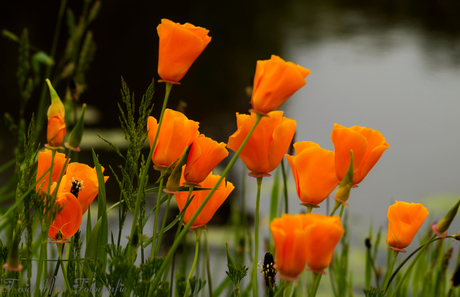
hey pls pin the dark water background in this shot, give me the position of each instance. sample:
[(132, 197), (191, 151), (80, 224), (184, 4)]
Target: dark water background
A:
[(389, 65)]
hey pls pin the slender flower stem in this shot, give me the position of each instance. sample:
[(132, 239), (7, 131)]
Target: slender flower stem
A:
[(60, 247), (315, 284), (155, 222), (195, 259), (309, 208), (288, 289), (195, 215), (146, 168), (285, 191), (165, 215), (208, 266), (386, 281), (256, 239)]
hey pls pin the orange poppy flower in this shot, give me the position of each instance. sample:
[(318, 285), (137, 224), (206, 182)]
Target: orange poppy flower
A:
[(314, 172), (275, 81), (177, 133), (68, 221), (216, 200), (268, 143), (368, 146), (44, 163), (55, 132), (180, 45), (204, 155), (404, 221), (304, 238), (81, 181)]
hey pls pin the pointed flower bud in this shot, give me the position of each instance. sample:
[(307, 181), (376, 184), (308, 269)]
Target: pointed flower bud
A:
[(441, 228), (56, 108), (77, 133), (343, 192), (13, 263), (56, 123)]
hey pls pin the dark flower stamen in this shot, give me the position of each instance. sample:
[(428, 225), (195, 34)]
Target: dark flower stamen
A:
[(76, 186), (268, 270)]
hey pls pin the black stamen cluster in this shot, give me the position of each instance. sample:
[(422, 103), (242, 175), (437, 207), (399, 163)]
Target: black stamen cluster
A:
[(269, 271)]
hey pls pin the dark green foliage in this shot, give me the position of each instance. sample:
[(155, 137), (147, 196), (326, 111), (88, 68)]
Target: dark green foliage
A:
[(180, 284), (374, 292), (196, 284)]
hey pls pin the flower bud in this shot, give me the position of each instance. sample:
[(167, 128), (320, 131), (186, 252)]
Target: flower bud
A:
[(77, 133), (174, 179), (12, 263), (445, 222), (343, 192), (56, 108)]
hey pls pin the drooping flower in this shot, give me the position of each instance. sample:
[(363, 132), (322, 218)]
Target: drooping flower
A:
[(56, 122), (216, 200), (204, 155), (275, 81), (44, 163), (368, 146), (404, 221), (177, 132), (267, 145), (180, 45), (304, 239), (81, 181), (313, 169), (68, 220)]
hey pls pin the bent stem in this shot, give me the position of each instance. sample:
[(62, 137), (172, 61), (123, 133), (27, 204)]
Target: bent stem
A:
[(256, 239), (195, 259), (176, 243)]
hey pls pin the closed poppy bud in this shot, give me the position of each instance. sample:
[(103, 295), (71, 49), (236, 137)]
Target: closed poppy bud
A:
[(81, 180), (180, 45), (313, 169), (204, 155), (177, 132), (56, 122), (267, 145), (13, 262), (324, 233), (68, 220), (57, 107), (444, 223), (275, 81), (404, 221), (77, 133), (44, 163), (216, 200), (368, 146)]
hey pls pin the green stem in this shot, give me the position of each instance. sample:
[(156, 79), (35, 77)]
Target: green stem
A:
[(288, 289), (144, 172), (165, 215), (157, 212), (315, 284), (285, 191), (386, 281), (309, 208), (256, 238), (60, 247), (208, 266), (176, 243), (195, 260)]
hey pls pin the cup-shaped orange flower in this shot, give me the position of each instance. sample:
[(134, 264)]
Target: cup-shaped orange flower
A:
[(275, 81), (44, 163), (68, 220), (204, 155), (81, 181), (177, 132), (313, 169), (304, 239), (367, 144), (405, 219), (267, 145), (216, 200), (180, 45)]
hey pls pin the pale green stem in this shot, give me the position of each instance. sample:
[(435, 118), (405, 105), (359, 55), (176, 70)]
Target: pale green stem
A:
[(195, 260), (176, 243), (386, 281), (256, 239), (165, 215), (315, 284), (155, 222), (208, 266), (309, 208), (60, 247)]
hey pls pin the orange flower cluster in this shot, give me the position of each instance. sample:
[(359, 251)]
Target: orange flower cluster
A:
[(77, 189), (304, 239), (268, 143), (405, 219)]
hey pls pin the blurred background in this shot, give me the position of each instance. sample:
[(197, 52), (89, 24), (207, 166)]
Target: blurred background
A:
[(393, 66)]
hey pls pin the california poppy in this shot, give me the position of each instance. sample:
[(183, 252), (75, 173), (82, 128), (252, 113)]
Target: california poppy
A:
[(313, 169), (216, 200), (275, 81), (68, 220), (368, 146), (177, 132), (204, 155), (44, 163), (404, 220), (304, 239), (180, 45), (56, 122), (81, 180), (267, 145)]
